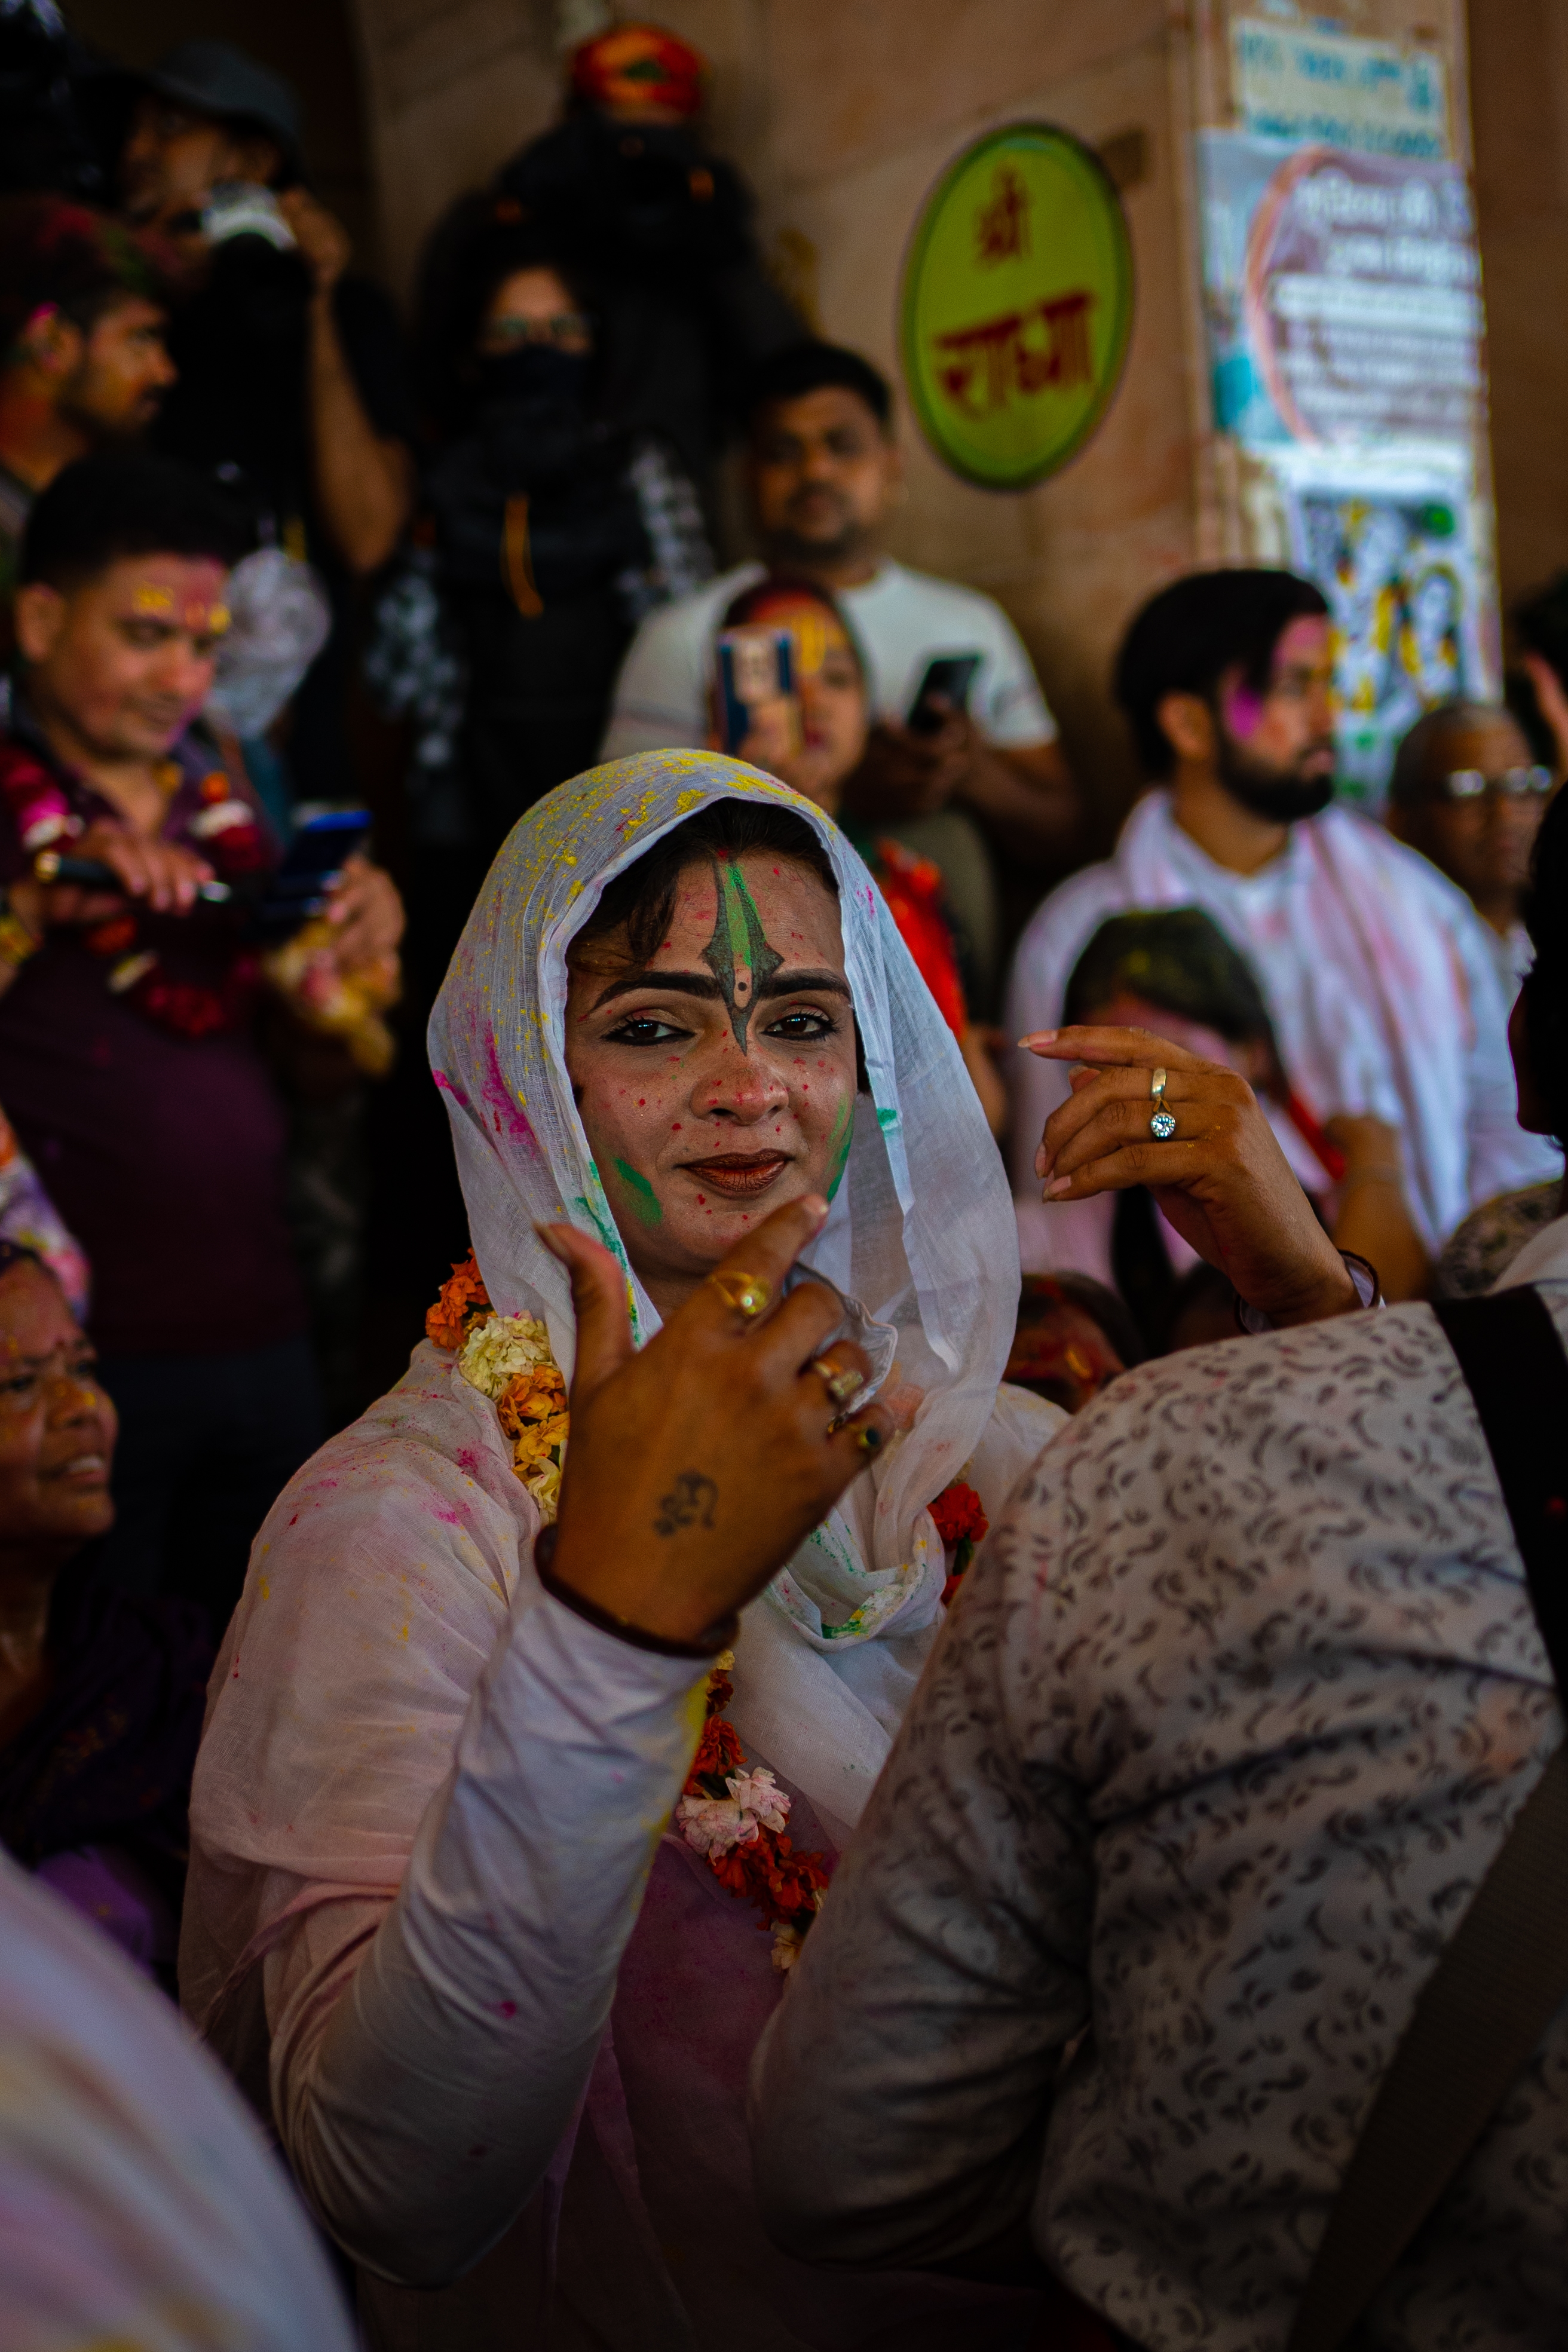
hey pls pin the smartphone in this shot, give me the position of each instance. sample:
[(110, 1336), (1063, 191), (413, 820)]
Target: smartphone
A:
[(324, 840), (949, 674), (754, 665)]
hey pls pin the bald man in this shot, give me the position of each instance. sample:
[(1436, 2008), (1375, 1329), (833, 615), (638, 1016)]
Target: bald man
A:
[(1466, 793)]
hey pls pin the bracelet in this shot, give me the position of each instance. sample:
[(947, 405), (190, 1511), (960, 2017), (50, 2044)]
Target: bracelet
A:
[(16, 941), (1252, 1322), (1395, 1176), (717, 1638)]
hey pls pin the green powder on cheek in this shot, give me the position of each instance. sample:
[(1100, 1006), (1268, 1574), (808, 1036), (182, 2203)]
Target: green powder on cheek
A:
[(838, 1144), (640, 1194)]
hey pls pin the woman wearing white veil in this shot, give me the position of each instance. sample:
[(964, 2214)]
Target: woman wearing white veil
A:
[(398, 1931)]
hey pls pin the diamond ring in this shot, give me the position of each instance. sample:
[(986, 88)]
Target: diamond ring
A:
[(1162, 1119)]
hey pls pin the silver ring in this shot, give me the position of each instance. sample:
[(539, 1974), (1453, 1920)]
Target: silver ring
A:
[(1162, 1120)]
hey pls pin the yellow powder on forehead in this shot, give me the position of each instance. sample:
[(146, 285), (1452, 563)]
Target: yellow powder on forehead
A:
[(151, 599)]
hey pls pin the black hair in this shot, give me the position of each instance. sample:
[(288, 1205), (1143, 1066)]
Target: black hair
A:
[(1411, 780), (1545, 988), (1540, 624), (126, 502), (801, 368), (73, 258), (642, 899), (1179, 959), (1187, 637)]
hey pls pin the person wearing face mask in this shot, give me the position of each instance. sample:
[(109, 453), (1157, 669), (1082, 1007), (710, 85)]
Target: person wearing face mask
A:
[(679, 1019), (628, 192), (813, 739), (555, 527), (101, 1694), (1380, 985)]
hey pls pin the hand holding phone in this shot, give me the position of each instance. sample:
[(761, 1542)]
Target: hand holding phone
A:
[(756, 676), (951, 678)]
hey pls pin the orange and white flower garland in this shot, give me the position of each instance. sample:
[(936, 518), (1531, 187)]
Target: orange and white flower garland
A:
[(507, 1358)]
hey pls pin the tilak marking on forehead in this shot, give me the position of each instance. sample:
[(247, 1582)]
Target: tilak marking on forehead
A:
[(738, 955)]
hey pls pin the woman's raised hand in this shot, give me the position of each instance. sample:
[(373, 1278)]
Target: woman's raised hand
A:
[(697, 1465), (1221, 1180)]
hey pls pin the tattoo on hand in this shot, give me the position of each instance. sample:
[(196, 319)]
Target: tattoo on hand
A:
[(691, 1504)]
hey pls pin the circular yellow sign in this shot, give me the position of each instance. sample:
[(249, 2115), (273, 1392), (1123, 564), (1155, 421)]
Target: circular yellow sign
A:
[(1016, 306)]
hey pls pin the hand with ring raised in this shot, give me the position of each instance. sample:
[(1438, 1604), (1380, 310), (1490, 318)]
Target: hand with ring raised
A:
[(1202, 1144), (699, 1463)]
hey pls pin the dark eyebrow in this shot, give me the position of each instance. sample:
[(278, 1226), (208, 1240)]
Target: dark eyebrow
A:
[(703, 984)]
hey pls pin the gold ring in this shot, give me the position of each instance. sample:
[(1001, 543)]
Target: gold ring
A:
[(1162, 1120), (870, 1439), (841, 1381), (748, 1293)]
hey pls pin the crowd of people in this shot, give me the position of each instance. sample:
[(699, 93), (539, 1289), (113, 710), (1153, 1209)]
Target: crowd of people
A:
[(899, 1724)]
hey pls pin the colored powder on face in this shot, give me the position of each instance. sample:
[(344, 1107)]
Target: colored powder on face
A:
[(643, 1199), (738, 955), (1242, 712), (838, 1143)]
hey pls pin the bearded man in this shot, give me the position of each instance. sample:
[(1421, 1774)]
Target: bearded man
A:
[(1383, 994)]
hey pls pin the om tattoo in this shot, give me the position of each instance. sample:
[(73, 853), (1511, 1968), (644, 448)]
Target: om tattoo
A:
[(738, 955), (691, 1504)]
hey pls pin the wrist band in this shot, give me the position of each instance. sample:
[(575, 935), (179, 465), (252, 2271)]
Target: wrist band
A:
[(1363, 1275), (16, 941), (718, 1637)]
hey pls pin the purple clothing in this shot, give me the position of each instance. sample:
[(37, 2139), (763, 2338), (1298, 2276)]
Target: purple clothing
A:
[(110, 1887), (163, 1153)]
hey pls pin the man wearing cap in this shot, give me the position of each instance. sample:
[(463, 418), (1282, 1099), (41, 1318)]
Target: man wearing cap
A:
[(292, 384)]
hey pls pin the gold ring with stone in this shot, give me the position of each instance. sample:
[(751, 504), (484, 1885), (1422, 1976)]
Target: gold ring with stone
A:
[(748, 1293), (841, 1380), (870, 1439), (1163, 1119)]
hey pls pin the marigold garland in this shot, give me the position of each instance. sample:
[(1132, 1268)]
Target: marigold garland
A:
[(507, 1358), (735, 1819)]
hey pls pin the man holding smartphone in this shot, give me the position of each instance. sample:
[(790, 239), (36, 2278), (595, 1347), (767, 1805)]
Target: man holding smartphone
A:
[(963, 759), (139, 1027)]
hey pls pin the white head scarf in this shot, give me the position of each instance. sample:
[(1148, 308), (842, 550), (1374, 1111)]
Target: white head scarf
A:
[(921, 1231)]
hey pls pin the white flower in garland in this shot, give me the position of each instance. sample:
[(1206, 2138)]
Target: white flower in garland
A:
[(494, 1353), (713, 1824)]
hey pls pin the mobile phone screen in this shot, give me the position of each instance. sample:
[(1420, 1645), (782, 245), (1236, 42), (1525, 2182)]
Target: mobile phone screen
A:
[(950, 674), (754, 665)]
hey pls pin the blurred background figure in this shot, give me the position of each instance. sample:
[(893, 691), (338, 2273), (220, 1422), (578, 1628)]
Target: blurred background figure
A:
[(1538, 681), (554, 524), (1074, 1337), (102, 1693), (1380, 985), (1466, 793), (625, 190), (957, 770), (83, 358), (293, 387), (143, 1029), (1174, 971), (814, 736)]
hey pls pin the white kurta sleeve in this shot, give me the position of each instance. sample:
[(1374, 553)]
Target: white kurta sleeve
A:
[(427, 2052)]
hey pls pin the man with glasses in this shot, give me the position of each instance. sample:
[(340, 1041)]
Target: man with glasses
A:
[(1380, 983), (1466, 795)]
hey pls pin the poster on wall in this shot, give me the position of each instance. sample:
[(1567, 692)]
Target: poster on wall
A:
[(1341, 294), (1346, 337), (1394, 553), (1015, 306)]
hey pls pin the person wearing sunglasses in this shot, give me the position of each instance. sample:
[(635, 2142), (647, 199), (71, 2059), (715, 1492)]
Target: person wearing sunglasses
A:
[(1466, 793)]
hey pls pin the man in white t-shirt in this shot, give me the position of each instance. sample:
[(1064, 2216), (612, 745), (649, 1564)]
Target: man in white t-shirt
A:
[(823, 473)]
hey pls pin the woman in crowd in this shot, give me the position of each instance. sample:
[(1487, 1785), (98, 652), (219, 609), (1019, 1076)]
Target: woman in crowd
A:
[(679, 1001), (101, 1694), (814, 738), (554, 528), (1174, 971)]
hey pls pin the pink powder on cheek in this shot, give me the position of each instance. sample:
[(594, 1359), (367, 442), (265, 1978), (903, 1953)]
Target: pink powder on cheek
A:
[(1242, 711)]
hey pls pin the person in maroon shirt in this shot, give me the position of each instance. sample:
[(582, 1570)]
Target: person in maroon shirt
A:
[(131, 1060)]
